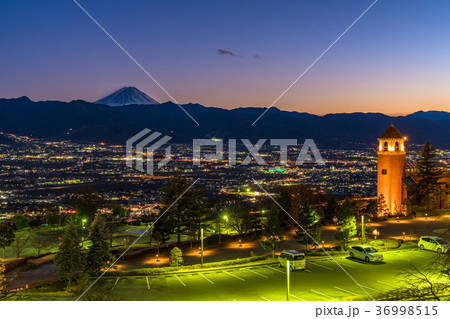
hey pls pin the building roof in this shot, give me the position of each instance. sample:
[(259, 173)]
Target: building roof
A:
[(391, 132)]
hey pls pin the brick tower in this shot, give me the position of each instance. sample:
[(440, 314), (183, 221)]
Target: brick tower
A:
[(391, 166)]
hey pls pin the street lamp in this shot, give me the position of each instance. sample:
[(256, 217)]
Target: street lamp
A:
[(82, 231), (240, 243), (376, 233), (287, 279), (403, 237), (363, 232), (226, 222), (59, 208), (201, 241)]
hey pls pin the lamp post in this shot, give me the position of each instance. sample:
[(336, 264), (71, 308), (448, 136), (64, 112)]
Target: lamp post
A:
[(82, 232), (363, 232), (226, 222), (287, 279), (59, 209), (201, 242)]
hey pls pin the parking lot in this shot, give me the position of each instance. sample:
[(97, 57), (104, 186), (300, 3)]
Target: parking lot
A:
[(322, 279)]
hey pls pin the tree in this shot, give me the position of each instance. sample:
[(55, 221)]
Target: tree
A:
[(346, 223), (7, 236), (331, 209), (119, 211), (239, 219), (176, 257), (359, 207), (20, 244), (284, 198), (98, 256), (428, 175), (309, 219), (21, 221), (40, 241), (2, 277), (273, 233), (179, 204), (191, 231), (69, 257), (86, 203), (382, 207)]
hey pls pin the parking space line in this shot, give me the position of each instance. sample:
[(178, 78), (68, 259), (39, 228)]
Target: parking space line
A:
[(257, 273), (277, 270), (346, 265), (371, 288), (322, 266), (346, 291), (265, 298), (297, 297), (319, 293), (206, 278), (117, 280), (387, 284), (233, 275), (180, 280), (307, 270), (148, 284)]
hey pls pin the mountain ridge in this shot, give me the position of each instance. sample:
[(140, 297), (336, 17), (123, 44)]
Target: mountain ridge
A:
[(83, 121)]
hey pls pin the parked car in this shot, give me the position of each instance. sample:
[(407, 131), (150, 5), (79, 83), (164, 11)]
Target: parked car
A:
[(367, 253), (434, 243), (296, 259)]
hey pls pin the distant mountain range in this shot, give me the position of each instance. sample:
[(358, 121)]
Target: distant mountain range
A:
[(90, 122), (127, 96)]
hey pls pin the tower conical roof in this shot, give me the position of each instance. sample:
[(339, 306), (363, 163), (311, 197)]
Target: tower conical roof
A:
[(391, 132)]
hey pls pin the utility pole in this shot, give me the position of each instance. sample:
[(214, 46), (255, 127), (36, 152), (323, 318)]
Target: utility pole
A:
[(363, 231), (201, 242), (287, 280), (59, 208)]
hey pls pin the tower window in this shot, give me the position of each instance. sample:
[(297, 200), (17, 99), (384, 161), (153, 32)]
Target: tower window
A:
[(397, 148), (384, 171), (385, 146)]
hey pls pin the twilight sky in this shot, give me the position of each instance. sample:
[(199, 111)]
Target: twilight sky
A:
[(395, 60)]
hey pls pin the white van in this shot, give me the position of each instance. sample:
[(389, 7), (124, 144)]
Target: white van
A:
[(296, 259), (434, 243)]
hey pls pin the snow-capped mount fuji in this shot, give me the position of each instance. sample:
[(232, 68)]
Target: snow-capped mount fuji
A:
[(127, 96)]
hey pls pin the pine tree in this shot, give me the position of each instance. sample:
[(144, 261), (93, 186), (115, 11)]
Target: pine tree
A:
[(69, 257), (98, 256), (382, 207), (346, 223), (309, 219), (176, 257), (7, 236), (2, 277), (428, 176), (180, 205), (273, 233)]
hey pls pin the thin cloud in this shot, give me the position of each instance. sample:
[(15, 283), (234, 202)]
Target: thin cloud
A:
[(256, 56), (227, 52)]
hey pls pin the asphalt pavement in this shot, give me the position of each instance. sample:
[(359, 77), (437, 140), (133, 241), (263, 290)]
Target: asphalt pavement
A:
[(323, 279)]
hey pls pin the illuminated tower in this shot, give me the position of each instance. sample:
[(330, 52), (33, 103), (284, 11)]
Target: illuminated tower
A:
[(391, 165)]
